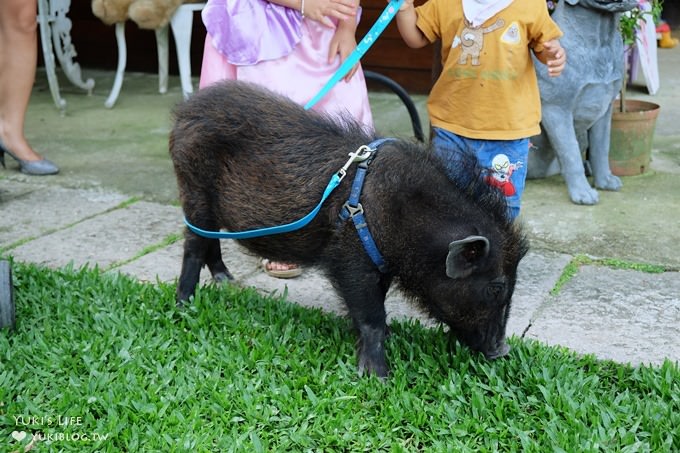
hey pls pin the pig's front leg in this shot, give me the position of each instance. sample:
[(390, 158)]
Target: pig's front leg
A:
[(364, 293), (371, 353)]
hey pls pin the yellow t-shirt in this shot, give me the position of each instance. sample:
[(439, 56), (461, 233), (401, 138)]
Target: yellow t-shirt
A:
[(488, 87)]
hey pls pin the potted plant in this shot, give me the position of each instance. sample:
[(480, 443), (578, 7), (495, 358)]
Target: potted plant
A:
[(633, 121)]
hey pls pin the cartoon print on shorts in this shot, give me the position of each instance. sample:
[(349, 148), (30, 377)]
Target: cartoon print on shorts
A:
[(499, 174), (471, 41)]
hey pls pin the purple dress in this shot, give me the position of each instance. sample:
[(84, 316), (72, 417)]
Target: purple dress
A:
[(274, 46)]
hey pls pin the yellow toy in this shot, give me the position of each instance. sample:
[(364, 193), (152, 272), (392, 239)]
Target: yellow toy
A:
[(663, 32)]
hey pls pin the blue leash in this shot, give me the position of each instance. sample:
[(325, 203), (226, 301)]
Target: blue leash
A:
[(332, 184), (372, 36), (361, 154)]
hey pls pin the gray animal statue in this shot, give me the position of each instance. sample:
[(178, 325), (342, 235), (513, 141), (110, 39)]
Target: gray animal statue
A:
[(246, 158), (577, 105)]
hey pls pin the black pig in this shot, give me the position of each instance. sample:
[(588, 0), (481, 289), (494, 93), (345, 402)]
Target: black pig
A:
[(246, 158)]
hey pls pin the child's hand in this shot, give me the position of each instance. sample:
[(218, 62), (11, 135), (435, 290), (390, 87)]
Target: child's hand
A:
[(408, 29), (555, 57), (406, 5), (342, 45), (322, 10)]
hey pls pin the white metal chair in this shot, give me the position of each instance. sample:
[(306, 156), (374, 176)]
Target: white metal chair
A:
[(181, 24), (55, 38)]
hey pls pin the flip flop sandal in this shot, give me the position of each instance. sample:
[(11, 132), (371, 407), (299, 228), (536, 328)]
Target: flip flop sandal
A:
[(280, 273)]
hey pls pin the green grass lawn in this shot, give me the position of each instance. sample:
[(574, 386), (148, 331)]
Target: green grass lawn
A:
[(105, 363)]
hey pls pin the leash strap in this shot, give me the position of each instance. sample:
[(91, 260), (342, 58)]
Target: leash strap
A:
[(248, 234), (360, 155), (378, 27)]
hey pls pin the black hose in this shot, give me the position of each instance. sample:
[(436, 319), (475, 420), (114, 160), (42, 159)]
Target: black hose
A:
[(405, 98)]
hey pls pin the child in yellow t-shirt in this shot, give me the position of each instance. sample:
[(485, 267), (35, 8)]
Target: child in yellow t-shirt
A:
[(486, 101)]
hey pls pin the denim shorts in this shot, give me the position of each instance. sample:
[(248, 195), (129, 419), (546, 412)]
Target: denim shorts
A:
[(503, 162)]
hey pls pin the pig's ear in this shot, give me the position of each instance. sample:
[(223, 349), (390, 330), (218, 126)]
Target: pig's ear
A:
[(464, 255)]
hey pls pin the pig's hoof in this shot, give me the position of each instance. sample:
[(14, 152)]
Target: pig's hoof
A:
[(374, 368), (182, 302), (223, 277), (280, 270)]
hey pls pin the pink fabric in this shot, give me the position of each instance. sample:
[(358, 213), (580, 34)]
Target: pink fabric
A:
[(298, 75), (250, 31)]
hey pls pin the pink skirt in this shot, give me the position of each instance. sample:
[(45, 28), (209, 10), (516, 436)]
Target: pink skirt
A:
[(299, 75)]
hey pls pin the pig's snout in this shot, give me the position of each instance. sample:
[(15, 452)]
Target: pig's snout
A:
[(500, 350)]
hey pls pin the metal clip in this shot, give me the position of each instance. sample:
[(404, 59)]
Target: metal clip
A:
[(360, 155)]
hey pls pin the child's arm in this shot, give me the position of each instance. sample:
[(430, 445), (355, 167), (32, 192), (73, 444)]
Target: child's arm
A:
[(553, 56), (406, 23), (344, 41)]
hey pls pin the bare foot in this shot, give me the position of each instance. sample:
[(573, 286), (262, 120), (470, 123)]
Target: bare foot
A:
[(280, 270)]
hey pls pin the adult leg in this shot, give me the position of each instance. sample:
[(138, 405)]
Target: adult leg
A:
[(18, 60)]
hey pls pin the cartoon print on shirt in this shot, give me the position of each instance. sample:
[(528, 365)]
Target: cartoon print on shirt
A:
[(471, 41), (499, 174), (511, 35)]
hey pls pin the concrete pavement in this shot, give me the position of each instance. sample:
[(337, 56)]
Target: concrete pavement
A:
[(114, 205)]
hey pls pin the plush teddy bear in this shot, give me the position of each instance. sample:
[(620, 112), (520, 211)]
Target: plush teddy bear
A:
[(111, 11), (147, 14)]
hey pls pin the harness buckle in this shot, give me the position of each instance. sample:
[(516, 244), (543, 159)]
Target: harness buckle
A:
[(353, 210)]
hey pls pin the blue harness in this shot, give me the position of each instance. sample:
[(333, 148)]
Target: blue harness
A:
[(351, 209)]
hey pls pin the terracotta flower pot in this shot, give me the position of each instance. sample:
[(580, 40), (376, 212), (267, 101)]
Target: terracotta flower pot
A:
[(632, 132)]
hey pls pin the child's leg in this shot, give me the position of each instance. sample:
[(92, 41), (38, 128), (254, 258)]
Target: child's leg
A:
[(457, 157), (505, 164)]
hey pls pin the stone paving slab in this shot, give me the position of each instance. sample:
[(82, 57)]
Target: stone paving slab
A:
[(635, 224), (160, 265), (30, 210), (622, 315), (112, 237), (536, 277), (165, 263)]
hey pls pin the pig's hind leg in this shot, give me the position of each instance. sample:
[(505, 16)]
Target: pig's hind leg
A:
[(200, 251)]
